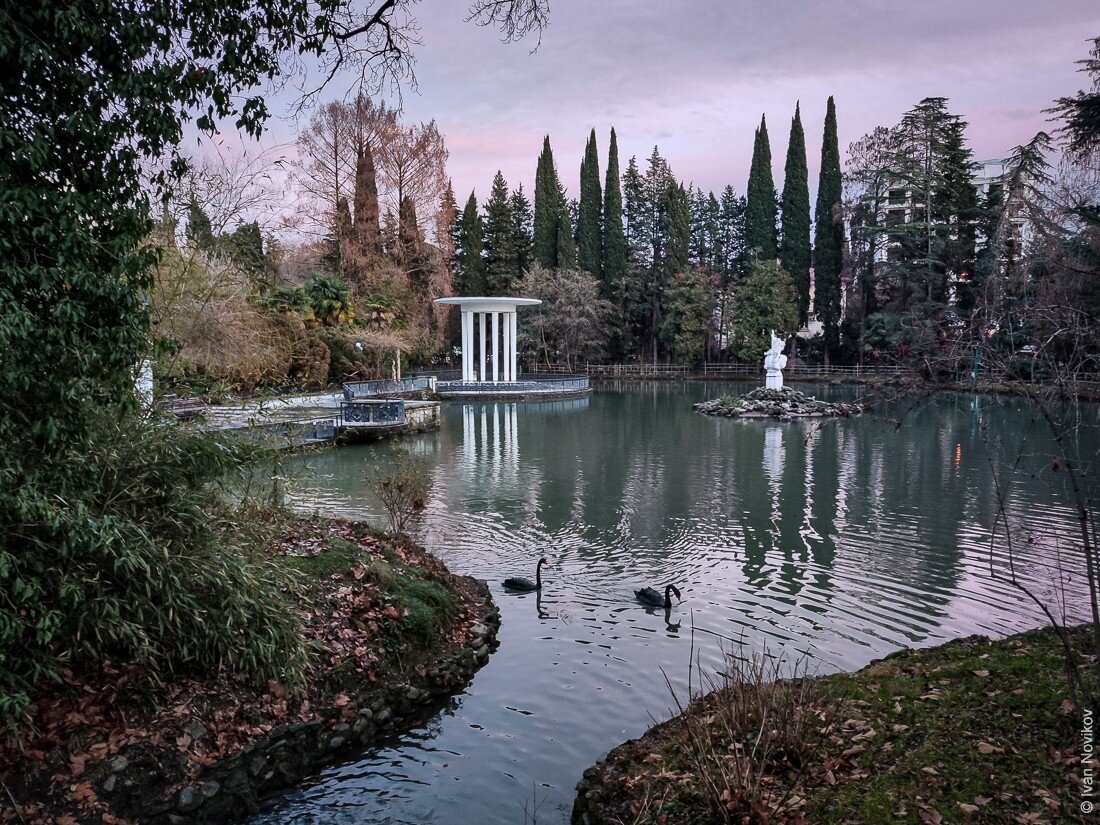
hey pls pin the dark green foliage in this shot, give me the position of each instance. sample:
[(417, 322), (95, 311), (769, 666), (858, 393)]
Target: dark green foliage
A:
[(613, 263), (613, 254), (544, 241), (1081, 113), (522, 220), (449, 207), (107, 547), (686, 326), (676, 227), (199, 233), (245, 247), (501, 255), (829, 234), (794, 244), (764, 300), (589, 210), (565, 252), (469, 279), (761, 214), (146, 565), (329, 299)]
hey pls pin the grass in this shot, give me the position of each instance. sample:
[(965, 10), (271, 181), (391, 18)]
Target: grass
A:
[(974, 731), (338, 556), (423, 604)]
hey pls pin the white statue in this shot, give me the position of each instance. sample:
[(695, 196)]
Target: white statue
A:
[(774, 361)]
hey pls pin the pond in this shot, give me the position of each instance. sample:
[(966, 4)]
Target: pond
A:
[(839, 541)]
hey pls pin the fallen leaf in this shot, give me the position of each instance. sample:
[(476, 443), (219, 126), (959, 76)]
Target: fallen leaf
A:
[(967, 808), (981, 673), (985, 747)]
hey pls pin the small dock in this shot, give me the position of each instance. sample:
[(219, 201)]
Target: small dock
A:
[(304, 420)]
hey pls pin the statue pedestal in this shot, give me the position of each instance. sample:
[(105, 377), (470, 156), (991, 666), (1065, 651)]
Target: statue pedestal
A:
[(774, 380)]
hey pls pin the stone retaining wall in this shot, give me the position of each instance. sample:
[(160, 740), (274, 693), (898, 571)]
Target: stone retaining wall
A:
[(234, 786)]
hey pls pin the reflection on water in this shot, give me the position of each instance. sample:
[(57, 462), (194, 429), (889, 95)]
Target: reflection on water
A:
[(841, 539)]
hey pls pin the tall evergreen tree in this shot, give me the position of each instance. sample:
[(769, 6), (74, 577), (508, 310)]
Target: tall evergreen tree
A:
[(636, 235), (565, 250), (794, 244), (521, 230), (544, 240), (829, 234), (760, 235), (613, 248), (501, 257), (469, 280), (589, 210), (677, 230), (368, 231), (451, 218)]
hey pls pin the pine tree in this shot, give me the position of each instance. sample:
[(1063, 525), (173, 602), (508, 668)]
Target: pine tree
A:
[(829, 234), (470, 276), (521, 230), (547, 208), (636, 234), (501, 259), (613, 248), (677, 230), (368, 232), (794, 244), (447, 227), (760, 236), (589, 210)]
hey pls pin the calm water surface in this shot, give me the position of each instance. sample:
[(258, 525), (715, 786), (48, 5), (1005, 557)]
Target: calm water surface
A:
[(840, 540)]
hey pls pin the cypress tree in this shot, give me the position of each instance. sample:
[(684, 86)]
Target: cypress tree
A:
[(828, 234), (521, 230), (547, 208), (470, 278), (794, 244), (589, 209), (613, 246), (501, 263), (368, 232), (448, 227), (760, 236), (565, 250)]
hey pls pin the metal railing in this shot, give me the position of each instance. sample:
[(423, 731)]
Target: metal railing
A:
[(527, 384), (374, 389), (388, 412), (626, 370)]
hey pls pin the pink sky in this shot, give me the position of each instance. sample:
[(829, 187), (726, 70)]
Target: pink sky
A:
[(694, 78)]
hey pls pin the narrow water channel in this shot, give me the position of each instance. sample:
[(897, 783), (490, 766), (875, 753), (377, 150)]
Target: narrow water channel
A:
[(839, 541)]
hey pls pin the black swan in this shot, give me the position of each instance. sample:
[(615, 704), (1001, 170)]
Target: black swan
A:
[(520, 583), (649, 596)]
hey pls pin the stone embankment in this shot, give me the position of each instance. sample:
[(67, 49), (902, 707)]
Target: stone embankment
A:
[(234, 786), (783, 404)]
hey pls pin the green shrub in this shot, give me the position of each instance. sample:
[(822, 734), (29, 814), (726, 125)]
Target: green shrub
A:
[(139, 559)]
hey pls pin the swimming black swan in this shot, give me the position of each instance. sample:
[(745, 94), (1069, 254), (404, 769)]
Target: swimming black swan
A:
[(649, 596), (520, 583)]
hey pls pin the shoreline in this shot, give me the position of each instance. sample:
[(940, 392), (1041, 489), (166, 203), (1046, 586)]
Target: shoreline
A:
[(118, 747), (973, 730)]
